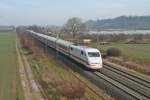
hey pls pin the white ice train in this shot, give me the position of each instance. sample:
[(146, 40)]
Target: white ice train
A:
[(89, 57)]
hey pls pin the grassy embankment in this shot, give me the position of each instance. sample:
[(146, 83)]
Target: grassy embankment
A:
[(140, 52), (9, 81)]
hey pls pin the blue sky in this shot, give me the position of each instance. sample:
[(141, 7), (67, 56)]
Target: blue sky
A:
[(56, 12)]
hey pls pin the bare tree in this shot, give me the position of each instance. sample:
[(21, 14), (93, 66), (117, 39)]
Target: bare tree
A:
[(138, 37), (73, 26)]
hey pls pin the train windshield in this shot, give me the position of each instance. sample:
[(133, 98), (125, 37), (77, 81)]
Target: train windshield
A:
[(93, 54)]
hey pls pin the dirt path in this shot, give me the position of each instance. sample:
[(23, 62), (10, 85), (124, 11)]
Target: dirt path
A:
[(30, 87)]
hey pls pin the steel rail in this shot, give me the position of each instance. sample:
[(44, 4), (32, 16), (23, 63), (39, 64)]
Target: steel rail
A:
[(126, 81), (120, 86), (135, 77), (42, 91)]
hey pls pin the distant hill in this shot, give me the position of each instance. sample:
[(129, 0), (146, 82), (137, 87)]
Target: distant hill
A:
[(122, 22)]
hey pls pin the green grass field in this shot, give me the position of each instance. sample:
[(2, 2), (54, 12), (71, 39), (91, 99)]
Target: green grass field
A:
[(9, 81), (140, 52)]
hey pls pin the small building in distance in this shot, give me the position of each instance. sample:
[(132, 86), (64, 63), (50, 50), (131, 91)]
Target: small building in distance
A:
[(7, 28)]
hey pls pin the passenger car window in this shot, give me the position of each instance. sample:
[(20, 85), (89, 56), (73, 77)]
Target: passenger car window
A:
[(71, 48), (82, 52)]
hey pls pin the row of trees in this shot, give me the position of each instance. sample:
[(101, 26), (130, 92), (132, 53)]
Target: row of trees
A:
[(117, 37)]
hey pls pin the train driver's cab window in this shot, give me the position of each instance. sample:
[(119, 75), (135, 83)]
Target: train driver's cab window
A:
[(93, 54)]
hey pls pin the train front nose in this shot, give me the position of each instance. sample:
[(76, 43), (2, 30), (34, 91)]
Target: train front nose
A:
[(96, 65)]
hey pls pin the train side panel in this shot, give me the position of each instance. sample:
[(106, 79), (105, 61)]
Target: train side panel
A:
[(78, 55), (63, 46)]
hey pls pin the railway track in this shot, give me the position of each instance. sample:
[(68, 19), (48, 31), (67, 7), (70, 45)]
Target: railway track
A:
[(133, 85), (132, 76), (121, 84), (125, 84), (72, 65), (44, 90), (32, 89), (85, 84)]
